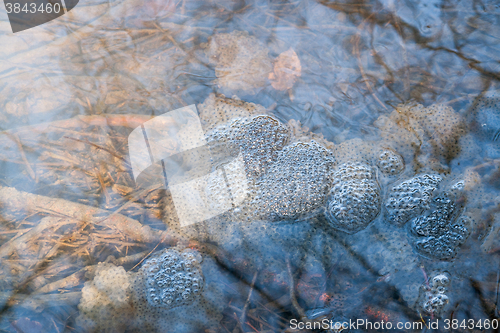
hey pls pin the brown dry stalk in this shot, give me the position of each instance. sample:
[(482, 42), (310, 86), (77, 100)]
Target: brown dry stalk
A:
[(8, 248), (119, 120), (14, 200), (68, 282), (39, 302)]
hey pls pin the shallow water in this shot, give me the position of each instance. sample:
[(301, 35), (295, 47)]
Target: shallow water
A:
[(359, 60)]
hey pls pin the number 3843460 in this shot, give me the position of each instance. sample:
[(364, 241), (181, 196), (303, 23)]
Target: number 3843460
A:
[(484, 324), (32, 8)]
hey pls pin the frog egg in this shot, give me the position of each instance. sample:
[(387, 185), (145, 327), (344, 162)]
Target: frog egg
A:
[(439, 233), (173, 282), (390, 163), (410, 198), (295, 184), (354, 200)]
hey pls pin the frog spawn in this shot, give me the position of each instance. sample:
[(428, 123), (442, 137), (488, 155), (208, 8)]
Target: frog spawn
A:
[(218, 110), (184, 305), (299, 180), (119, 301), (258, 138), (354, 199), (437, 227), (410, 198), (174, 278), (432, 298), (439, 234), (105, 306), (296, 183), (389, 162), (418, 131), (485, 114)]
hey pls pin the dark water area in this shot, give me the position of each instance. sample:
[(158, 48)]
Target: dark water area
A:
[(391, 215)]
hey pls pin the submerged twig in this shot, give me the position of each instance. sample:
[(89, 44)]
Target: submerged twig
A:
[(68, 282), (243, 313), (38, 303), (23, 157), (118, 120), (15, 200), (295, 304)]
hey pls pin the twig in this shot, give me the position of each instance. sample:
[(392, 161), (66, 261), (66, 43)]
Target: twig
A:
[(360, 65), (363, 74), (239, 322), (68, 282), (257, 319), (425, 277), (295, 304), (119, 120), (242, 318), (8, 248), (15, 200), (98, 147), (39, 302), (428, 286), (103, 186), (23, 157)]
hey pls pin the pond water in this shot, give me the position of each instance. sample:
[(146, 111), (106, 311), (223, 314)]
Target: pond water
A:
[(391, 217)]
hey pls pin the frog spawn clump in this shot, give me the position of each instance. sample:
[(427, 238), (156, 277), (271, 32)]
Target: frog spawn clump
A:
[(258, 138), (354, 199), (175, 290), (439, 234), (390, 162), (486, 116), (189, 293), (174, 278), (218, 110), (105, 303), (432, 298), (418, 131), (437, 227), (485, 121), (296, 183), (410, 198)]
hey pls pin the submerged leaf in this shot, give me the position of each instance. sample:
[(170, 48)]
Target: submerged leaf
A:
[(286, 70)]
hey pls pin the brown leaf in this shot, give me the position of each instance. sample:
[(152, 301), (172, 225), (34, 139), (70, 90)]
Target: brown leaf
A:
[(286, 70)]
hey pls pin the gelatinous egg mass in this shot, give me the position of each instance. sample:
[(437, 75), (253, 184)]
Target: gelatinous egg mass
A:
[(390, 162), (173, 278), (296, 183), (354, 199), (411, 197), (258, 138), (439, 233), (432, 296)]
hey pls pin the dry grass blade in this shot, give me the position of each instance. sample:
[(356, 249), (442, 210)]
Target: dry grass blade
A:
[(15, 200)]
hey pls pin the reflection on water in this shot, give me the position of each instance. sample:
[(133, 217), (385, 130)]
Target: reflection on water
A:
[(403, 94)]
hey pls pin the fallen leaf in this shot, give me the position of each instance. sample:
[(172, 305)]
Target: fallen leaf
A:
[(286, 70)]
